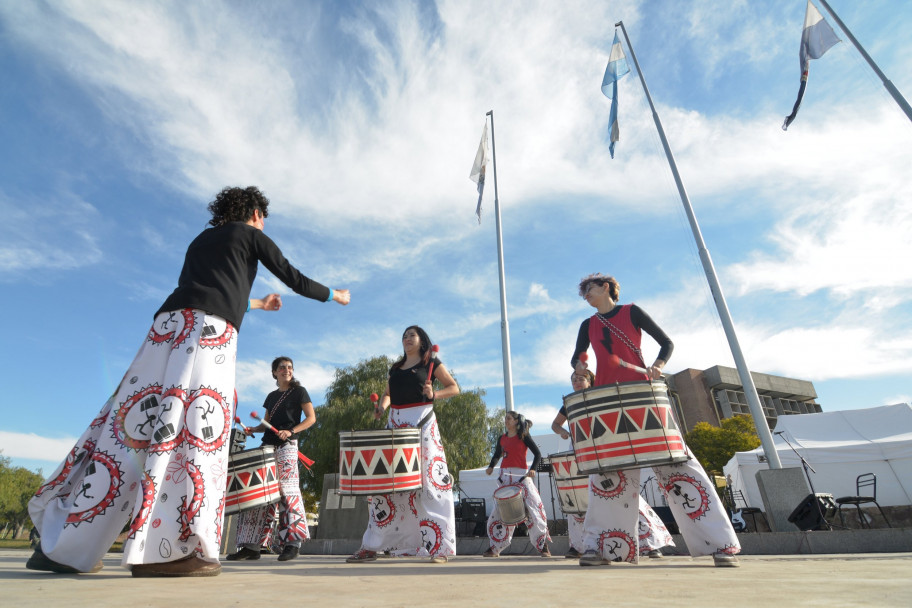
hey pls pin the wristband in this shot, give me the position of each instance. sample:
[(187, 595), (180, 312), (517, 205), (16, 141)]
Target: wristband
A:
[(248, 305), (332, 294)]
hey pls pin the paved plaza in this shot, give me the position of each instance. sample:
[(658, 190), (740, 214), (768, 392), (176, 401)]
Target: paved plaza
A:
[(883, 579)]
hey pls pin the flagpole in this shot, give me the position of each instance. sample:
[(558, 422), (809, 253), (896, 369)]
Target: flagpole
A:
[(504, 323), (747, 382), (894, 92)]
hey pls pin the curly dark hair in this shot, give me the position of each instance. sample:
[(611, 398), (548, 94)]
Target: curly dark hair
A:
[(237, 205)]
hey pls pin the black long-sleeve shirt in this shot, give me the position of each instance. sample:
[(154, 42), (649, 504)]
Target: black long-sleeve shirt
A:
[(219, 269), (640, 320)]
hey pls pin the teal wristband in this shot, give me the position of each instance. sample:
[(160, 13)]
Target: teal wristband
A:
[(331, 295), (248, 305)]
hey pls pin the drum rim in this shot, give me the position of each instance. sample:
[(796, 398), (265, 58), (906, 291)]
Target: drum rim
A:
[(514, 488)]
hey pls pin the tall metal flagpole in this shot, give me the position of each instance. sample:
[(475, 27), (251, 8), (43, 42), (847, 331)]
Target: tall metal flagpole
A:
[(504, 323), (750, 389), (894, 92)]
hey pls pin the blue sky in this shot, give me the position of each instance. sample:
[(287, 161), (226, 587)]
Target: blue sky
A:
[(360, 121)]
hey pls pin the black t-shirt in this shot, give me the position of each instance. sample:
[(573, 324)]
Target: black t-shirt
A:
[(286, 414), (220, 266), (406, 385)]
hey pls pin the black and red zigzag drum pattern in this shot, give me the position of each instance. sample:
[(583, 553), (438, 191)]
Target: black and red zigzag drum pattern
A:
[(626, 425), (252, 480), (572, 487), (379, 461)]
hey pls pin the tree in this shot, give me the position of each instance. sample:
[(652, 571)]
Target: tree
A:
[(463, 420), (714, 446), (17, 486)]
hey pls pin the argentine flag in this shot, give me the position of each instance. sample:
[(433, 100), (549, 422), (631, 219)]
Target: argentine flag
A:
[(617, 67), (816, 39)]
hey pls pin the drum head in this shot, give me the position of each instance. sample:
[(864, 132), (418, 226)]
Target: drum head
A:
[(506, 492)]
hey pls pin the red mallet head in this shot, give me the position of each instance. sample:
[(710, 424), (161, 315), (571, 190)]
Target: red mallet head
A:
[(254, 415), (237, 419), (374, 397), (434, 350), (584, 356), (613, 361)]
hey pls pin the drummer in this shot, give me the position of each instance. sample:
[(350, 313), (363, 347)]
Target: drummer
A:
[(284, 410), (421, 522), (652, 532), (512, 447), (610, 529)]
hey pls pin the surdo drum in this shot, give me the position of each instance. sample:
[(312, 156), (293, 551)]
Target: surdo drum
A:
[(509, 501), (626, 425), (572, 488), (252, 480), (379, 461)]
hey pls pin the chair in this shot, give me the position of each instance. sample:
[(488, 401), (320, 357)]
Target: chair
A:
[(740, 508), (865, 480)]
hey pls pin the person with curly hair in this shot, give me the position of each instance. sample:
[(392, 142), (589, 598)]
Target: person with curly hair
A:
[(156, 456), (610, 531)]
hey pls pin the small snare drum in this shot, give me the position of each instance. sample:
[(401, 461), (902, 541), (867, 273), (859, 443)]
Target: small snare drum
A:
[(509, 502), (626, 425), (252, 480), (379, 461)]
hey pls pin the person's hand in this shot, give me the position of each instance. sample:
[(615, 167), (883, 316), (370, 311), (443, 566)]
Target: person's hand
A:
[(272, 302), (564, 434), (530, 474), (489, 470), (342, 296), (428, 390), (654, 372), (378, 413), (284, 435), (581, 368), (248, 431)]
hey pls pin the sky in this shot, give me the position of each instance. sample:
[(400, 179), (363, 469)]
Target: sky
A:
[(360, 121)]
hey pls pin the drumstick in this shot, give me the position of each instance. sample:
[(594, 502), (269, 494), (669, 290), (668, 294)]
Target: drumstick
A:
[(304, 459), (237, 419), (434, 350), (375, 399), (615, 361)]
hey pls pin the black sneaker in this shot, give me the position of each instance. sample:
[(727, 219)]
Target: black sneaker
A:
[(572, 554), (40, 561), (244, 554), (289, 552)]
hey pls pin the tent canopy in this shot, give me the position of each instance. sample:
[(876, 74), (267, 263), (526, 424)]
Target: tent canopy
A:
[(839, 446)]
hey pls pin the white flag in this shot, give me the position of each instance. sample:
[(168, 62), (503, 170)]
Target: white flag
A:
[(479, 166)]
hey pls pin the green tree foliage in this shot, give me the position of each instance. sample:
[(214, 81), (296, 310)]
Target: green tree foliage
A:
[(463, 420), (714, 446), (17, 486)]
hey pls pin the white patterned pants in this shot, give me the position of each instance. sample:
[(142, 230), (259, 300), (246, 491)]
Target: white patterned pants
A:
[(611, 526), (421, 522), (257, 526), (501, 534), (156, 455)]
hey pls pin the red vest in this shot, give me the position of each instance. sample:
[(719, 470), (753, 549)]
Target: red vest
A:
[(616, 336), (514, 452)]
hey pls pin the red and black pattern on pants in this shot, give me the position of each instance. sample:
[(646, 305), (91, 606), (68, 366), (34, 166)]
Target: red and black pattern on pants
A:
[(256, 527)]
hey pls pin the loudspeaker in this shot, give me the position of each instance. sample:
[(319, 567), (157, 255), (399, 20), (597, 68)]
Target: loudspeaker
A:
[(473, 509), (812, 512)]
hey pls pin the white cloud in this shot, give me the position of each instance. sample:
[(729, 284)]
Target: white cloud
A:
[(32, 446)]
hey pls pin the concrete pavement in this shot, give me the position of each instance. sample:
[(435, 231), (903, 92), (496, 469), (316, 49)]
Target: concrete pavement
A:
[(883, 579)]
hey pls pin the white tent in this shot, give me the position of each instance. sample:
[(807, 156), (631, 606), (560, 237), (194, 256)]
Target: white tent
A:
[(839, 446)]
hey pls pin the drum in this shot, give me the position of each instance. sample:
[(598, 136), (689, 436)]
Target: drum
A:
[(509, 501), (572, 488), (626, 425), (252, 480), (379, 461)]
